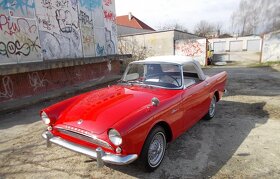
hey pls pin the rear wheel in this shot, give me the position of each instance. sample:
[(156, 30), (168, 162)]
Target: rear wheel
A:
[(154, 149), (212, 109)]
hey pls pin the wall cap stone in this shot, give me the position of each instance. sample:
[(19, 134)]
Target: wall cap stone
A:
[(9, 69)]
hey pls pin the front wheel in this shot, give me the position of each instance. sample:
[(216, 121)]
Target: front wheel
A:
[(212, 109), (154, 149)]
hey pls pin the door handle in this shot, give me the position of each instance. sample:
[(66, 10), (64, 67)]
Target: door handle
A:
[(173, 111), (207, 84)]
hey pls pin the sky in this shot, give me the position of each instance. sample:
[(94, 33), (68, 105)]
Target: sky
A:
[(156, 13)]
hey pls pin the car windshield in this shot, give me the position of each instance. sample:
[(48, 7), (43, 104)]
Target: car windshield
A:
[(159, 75)]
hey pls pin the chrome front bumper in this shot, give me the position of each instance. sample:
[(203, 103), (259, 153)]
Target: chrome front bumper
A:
[(97, 154)]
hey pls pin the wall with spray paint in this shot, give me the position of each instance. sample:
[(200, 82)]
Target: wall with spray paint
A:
[(271, 47), (33, 30), (19, 85), (195, 48), (19, 40)]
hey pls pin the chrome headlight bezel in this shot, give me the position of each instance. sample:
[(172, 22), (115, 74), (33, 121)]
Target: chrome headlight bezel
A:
[(45, 118), (115, 137)]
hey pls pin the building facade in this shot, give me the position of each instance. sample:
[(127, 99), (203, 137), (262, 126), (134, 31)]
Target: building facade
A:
[(129, 24), (170, 42)]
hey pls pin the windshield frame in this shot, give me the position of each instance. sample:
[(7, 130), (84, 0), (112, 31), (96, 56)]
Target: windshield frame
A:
[(157, 86)]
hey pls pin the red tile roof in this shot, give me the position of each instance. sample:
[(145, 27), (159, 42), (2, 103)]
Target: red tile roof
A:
[(134, 22)]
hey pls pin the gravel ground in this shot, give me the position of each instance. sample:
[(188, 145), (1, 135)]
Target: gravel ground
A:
[(242, 141)]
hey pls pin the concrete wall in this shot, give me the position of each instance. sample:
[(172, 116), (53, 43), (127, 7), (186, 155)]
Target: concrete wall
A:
[(195, 48), (35, 30), (271, 47), (123, 30), (157, 43), (183, 35), (234, 44), (30, 79)]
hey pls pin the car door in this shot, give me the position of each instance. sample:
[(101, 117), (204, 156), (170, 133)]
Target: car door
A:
[(195, 102), (191, 100)]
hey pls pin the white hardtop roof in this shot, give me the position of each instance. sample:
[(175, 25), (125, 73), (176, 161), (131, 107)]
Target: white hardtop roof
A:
[(180, 60), (174, 59)]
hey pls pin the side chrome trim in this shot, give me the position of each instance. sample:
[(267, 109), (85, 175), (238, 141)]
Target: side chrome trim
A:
[(105, 157)]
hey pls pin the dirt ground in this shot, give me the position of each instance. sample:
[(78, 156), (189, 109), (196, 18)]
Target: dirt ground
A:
[(242, 141)]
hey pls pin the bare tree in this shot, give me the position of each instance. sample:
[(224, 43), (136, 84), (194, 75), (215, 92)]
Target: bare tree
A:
[(243, 15), (256, 16), (218, 28), (129, 45), (203, 28)]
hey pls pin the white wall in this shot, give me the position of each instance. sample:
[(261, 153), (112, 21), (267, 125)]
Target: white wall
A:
[(230, 41), (156, 43), (271, 47)]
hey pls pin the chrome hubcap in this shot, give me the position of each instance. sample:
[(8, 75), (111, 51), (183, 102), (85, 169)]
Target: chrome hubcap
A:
[(212, 107), (156, 149)]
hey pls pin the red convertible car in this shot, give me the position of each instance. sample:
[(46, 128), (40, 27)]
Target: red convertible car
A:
[(156, 100)]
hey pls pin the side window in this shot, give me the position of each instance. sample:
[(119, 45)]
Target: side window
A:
[(170, 68), (190, 75), (135, 71)]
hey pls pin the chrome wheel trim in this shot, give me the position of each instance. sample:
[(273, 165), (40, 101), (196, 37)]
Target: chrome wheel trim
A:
[(156, 149), (212, 106)]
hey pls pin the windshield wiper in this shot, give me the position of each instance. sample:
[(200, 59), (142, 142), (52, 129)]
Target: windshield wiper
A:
[(135, 81), (123, 81), (130, 82)]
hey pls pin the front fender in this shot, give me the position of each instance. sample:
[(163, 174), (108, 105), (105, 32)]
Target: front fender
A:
[(135, 129)]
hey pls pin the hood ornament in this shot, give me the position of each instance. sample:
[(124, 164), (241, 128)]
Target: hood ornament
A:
[(80, 121)]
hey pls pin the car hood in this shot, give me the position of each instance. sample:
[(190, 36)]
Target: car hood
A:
[(99, 110)]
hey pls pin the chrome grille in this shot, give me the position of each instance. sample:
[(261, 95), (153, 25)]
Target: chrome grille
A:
[(87, 138)]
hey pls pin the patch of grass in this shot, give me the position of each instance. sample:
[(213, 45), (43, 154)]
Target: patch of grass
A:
[(266, 64)]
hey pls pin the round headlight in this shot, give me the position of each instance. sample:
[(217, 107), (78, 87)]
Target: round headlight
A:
[(115, 137), (45, 118)]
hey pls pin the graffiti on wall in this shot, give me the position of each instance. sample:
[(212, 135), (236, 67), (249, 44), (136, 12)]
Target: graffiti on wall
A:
[(87, 26), (110, 28), (195, 48), (36, 81), (18, 8), (271, 47), (19, 48), (52, 29), (189, 48), (59, 29), (90, 5), (11, 26), (25, 84), (19, 39), (8, 89)]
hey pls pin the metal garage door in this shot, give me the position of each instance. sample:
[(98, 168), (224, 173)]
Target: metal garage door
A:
[(254, 45), (219, 46), (235, 46)]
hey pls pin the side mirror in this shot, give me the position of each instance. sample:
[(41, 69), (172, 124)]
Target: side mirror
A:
[(155, 101)]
